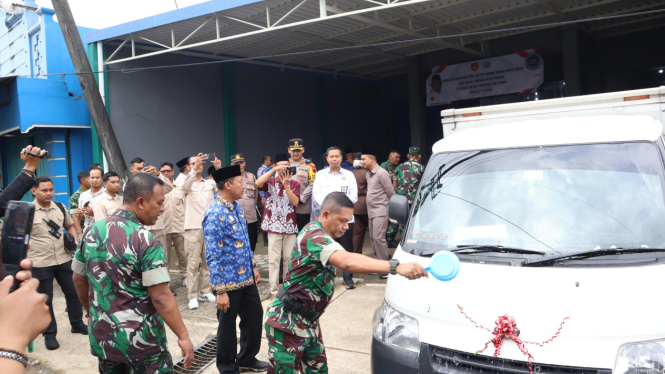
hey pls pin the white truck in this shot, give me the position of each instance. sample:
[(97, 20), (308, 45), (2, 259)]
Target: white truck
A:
[(556, 210)]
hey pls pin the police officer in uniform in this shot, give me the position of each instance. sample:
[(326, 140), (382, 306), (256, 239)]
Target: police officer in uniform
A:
[(305, 175), (248, 200)]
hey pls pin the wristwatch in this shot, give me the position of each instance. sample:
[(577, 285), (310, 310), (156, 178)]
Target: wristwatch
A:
[(393, 266)]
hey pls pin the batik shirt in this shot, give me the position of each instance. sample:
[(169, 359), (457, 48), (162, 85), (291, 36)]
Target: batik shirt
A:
[(310, 280), (347, 166), (121, 259), (279, 215), (74, 204), (228, 253), (262, 170), (408, 176)]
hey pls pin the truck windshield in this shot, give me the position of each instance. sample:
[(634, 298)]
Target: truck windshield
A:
[(550, 199)]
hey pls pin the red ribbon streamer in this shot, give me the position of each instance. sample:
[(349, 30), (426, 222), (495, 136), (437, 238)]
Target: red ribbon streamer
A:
[(506, 327)]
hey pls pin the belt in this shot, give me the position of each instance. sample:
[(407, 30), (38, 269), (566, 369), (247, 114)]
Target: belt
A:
[(294, 306)]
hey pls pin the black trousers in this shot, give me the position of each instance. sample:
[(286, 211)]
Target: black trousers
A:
[(253, 231), (63, 274), (302, 220), (245, 303), (346, 241)]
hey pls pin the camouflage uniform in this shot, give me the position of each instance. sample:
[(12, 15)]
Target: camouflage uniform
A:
[(295, 343), (121, 259), (390, 168), (74, 205), (408, 177)]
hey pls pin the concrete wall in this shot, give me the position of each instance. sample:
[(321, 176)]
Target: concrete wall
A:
[(272, 107), (165, 115)]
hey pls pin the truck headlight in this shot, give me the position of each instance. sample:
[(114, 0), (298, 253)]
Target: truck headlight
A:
[(641, 358), (396, 328)]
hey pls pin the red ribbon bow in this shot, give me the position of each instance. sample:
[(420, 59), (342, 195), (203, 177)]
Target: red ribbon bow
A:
[(506, 327)]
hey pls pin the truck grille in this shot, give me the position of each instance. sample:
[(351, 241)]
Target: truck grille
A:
[(444, 360)]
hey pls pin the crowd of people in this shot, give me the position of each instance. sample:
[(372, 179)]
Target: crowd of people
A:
[(312, 222)]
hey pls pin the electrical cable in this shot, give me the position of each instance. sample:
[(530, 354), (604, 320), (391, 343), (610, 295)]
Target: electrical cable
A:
[(511, 29)]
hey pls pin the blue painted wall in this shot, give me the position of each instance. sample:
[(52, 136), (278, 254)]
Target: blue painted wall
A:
[(10, 115), (49, 111)]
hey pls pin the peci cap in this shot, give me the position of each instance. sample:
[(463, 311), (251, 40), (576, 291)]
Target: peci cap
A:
[(370, 151), (237, 158), (281, 157), (211, 170), (356, 156), (414, 150), (223, 174), (296, 143), (437, 78), (348, 150), (182, 162)]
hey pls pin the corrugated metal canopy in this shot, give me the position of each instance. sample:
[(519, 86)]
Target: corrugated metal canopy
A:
[(283, 32)]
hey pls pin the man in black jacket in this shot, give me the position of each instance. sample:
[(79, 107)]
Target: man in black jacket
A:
[(20, 186)]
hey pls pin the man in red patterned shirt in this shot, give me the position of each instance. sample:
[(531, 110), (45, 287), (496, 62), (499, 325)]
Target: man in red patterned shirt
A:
[(279, 217)]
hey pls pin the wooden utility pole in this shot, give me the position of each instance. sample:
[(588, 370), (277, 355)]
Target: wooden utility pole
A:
[(90, 89)]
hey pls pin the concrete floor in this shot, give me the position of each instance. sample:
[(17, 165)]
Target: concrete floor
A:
[(347, 328)]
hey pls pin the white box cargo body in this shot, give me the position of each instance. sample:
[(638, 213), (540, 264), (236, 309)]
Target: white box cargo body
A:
[(650, 102)]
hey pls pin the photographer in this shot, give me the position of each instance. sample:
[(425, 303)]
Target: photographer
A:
[(20, 186), (49, 251)]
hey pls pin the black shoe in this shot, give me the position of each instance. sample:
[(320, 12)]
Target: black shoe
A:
[(257, 367), (81, 329), (349, 284), (51, 343), (383, 276)]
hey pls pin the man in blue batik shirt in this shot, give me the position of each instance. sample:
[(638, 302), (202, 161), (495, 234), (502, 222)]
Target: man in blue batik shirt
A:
[(347, 163), (233, 276)]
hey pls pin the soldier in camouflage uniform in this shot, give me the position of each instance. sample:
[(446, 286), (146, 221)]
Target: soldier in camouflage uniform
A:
[(292, 321), (391, 167), (408, 175), (407, 178), (120, 267)]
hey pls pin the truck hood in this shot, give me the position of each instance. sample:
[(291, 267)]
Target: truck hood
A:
[(606, 307)]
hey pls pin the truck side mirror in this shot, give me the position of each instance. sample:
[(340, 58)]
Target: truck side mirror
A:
[(398, 209)]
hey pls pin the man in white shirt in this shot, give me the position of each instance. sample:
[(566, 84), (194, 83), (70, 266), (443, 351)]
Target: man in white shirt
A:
[(111, 201), (337, 179), (89, 198)]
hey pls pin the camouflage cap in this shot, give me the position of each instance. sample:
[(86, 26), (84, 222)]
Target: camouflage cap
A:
[(414, 150)]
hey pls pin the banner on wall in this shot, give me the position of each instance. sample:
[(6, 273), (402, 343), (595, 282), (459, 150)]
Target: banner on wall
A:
[(519, 72)]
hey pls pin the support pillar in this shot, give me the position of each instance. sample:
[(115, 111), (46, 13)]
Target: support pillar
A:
[(97, 152), (228, 112), (416, 88), (572, 70), (321, 138)]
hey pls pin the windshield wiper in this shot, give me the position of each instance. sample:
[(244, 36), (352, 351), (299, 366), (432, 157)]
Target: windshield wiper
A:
[(494, 249), (588, 254)]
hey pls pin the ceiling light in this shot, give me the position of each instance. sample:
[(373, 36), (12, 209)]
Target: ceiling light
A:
[(660, 71)]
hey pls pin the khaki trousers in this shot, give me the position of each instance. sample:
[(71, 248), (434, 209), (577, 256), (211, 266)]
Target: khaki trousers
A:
[(177, 240), (198, 276), (377, 235), (279, 245), (162, 239)]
